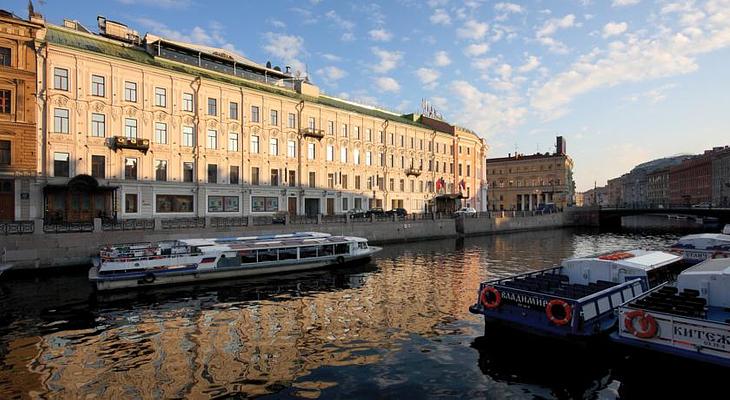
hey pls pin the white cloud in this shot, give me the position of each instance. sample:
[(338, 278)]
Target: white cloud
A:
[(380, 35), (621, 3), (437, 3), (485, 112), (179, 4), (614, 28), (387, 60), (347, 37), (428, 76), (331, 57), (544, 34), (331, 74), (288, 48), (339, 21), (529, 65), (212, 36), (653, 96), (509, 8), (472, 29), (483, 64), (277, 23), (441, 59), (476, 49), (440, 17), (386, 84)]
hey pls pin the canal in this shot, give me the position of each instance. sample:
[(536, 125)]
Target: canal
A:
[(397, 327)]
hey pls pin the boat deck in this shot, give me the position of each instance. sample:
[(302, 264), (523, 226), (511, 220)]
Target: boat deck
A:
[(686, 303), (557, 285)]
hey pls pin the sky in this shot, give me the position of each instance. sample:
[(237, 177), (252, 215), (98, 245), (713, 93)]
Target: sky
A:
[(624, 81)]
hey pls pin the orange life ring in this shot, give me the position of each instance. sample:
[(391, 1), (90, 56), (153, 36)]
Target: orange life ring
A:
[(647, 324), (496, 299), (567, 312)]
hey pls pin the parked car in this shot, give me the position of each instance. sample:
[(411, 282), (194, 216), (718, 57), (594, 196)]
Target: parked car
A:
[(467, 211), (401, 212), (356, 213), (701, 205), (279, 217), (376, 211), (547, 208)]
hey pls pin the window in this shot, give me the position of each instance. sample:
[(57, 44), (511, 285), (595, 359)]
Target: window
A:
[(223, 204), (130, 128), (255, 175), (344, 130), (254, 144), (233, 110), (311, 151), (312, 179), (254, 114), (402, 185), (160, 97), (369, 135), (330, 127), (161, 170), (292, 121), (173, 203), (357, 183), (60, 120), (392, 185), (98, 125), (61, 164), (356, 157), (130, 168), (5, 56), (343, 154), (312, 123), (98, 167), (212, 173), (274, 121), (368, 158), (331, 181), (187, 102), (187, 136), (233, 141), (370, 182), (5, 152), (264, 204), (344, 181), (274, 177), (188, 172), (233, 175), (274, 147), (468, 170), (160, 132), (291, 149), (60, 79), (130, 91), (130, 203), (292, 178), (344, 204), (460, 169), (330, 152), (97, 85), (212, 106), (357, 132), (212, 142)]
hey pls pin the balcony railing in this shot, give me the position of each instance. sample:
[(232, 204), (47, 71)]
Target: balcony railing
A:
[(413, 171), (17, 227), (313, 133), (122, 142)]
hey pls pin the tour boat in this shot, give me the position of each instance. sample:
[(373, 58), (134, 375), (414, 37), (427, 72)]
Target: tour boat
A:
[(689, 319), (703, 246), (577, 298), (193, 260)]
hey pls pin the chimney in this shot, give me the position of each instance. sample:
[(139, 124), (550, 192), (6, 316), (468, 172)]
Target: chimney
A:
[(560, 146)]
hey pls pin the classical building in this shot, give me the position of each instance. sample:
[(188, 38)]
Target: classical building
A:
[(615, 188), (658, 187), (522, 182), (596, 197), (18, 191), (721, 178), (141, 127), (690, 182)]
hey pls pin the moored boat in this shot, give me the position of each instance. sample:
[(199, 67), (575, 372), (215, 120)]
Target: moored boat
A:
[(577, 298), (193, 260), (689, 319), (699, 247)]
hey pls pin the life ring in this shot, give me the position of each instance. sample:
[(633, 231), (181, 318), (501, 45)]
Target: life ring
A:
[(566, 310), (148, 278), (492, 302), (647, 324), (340, 260)]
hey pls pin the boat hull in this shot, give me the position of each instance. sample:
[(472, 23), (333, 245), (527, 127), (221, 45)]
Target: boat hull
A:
[(160, 278)]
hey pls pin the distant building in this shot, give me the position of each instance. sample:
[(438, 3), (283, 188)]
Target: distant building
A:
[(523, 182), (658, 191), (579, 199), (596, 197), (615, 189), (690, 182), (721, 179)]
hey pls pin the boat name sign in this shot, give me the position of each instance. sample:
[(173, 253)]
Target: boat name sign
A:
[(524, 300), (706, 337)]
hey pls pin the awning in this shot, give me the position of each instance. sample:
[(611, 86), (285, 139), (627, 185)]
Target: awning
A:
[(451, 196), (80, 183)]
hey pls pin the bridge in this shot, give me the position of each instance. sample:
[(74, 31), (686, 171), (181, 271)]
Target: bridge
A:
[(611, 217)]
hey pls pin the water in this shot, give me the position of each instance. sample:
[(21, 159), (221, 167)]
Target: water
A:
[(398, 327)]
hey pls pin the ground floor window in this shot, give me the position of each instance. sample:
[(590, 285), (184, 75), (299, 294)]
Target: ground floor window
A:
[(223, 204), (264, 204), (130, 203), (173, 203)]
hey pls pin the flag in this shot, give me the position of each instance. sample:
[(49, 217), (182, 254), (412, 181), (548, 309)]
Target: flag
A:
[(462, 185)]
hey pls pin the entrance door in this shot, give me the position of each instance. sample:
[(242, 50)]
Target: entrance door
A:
[(7, 200), (293, 206), (311, 207), (330, 206)]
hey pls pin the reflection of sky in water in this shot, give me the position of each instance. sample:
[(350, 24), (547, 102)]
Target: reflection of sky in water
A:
[(398, 327)]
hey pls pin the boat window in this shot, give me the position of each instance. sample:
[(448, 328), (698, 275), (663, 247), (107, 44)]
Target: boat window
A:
[(326, 250), (288, 254), (247, 256), (589, 311), (267, 255), (342, 248), (308, 252), (362, 245)]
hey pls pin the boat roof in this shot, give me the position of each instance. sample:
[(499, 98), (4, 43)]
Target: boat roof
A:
[(268, 241), (713, 266), (720, 237), (646, 260)]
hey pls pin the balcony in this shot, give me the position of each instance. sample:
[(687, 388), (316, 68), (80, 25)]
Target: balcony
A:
[(413, 171), (121, 142), (313, 133)]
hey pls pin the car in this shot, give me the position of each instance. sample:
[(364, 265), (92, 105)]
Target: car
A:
[(701, 205), (356, 213), (470, 211), (400, 212), (279, 217), (375, 211), (547, 208)]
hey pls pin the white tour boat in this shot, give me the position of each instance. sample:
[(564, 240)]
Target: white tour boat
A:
[(193, 260), (703, 246)]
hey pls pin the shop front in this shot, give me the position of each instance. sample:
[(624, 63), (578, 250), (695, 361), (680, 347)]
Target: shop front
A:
[(81, 200)]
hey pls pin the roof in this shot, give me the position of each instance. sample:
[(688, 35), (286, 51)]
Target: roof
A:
[(649, 260), (108, 47), (522, 157), (713, 266)]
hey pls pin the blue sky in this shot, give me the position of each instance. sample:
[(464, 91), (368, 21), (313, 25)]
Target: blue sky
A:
[(624, 81)]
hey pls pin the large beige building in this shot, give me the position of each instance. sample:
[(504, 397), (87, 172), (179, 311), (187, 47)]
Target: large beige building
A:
[(150, 127), (523, 182)]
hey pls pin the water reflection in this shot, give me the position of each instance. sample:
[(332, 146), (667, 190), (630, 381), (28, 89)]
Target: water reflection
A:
[(397, 327)]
